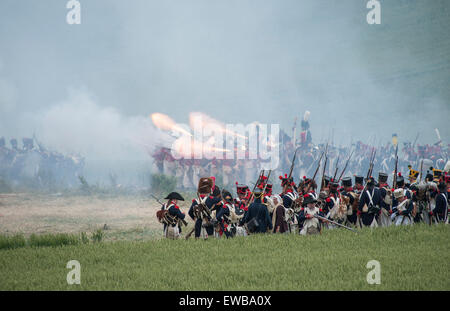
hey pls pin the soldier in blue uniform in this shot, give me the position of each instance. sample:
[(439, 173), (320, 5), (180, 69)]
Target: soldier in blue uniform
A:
[(290, 195), (223, 213), (369, 204), (332, 198), (175, 214), (310, 224), (401, 184), (386, 199), (348, 192), (402, 209), (440, 212), (258, 211), (202, 218)]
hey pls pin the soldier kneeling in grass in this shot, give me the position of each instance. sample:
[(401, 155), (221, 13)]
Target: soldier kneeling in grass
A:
[(403, 209), (311, 224), (170, 215)]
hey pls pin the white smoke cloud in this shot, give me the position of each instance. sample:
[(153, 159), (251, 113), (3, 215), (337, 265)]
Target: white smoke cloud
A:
[(109, 140)]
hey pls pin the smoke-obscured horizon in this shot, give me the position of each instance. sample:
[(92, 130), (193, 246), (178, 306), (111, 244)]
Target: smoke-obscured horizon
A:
[(90, 88)]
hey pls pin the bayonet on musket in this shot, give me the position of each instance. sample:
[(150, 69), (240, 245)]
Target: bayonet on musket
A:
[(337, 167), (335, 223), (316, 171), (324, 169), (290, 171), (345, 167), (261, 174)]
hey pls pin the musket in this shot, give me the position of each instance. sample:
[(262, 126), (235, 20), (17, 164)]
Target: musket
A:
[(290, 171), (315, 173), (415, 141), (345, 167), (205, 208), (157, 200), (261, 174), (268, 176), (421, 171), (294, 128), (394, 181), (189, 233), (335, 172), (372, 159), (324, 168), (335, 223)]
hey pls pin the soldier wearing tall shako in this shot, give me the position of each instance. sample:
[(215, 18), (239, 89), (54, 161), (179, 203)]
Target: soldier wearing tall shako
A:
[(307, 186), (288, 197), (369, 204), (243, 195), (386, 200), (207, 198), (332, 203), (172, 216), (401, 185), (352, 207)]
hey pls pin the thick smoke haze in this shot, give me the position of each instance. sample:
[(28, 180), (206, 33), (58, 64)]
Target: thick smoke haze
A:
[(90, 88)]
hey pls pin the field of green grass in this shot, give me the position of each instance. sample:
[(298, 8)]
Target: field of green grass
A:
[(411, 258)]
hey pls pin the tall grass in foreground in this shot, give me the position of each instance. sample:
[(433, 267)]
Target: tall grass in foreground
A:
[(45, 240), (411, 258), (59, 239), (14, 241)]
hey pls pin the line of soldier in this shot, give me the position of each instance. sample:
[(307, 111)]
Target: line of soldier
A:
[(189, 171), (305, 210), (29, 162)]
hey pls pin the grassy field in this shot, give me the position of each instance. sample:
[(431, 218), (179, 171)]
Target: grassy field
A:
[(411, 258)]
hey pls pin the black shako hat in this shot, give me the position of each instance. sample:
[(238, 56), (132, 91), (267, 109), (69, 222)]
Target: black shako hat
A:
[(216, 191), (227, 196), (308, 199), (347, 182), (174, 196), (382, 177), (400, 182), (359, 179)]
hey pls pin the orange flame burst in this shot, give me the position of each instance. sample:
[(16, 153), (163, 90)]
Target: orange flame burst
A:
[(164, 122), (203, 120), (187, 147)]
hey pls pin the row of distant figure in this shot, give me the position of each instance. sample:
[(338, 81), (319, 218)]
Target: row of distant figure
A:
[(37, 166)]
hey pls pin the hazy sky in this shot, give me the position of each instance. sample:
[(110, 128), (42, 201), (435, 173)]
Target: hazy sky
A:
[(91, 86)]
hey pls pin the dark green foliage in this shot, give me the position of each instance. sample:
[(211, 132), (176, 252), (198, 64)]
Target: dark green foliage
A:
[(161, 183), (84, 238), (14, 241), (97, 236), (58, 239)]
